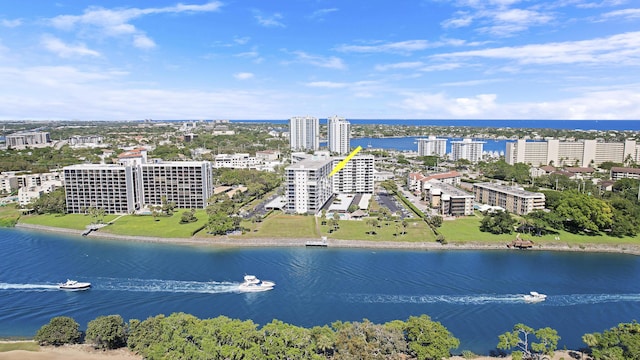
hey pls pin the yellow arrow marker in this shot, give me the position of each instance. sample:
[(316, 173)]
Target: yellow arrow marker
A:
[(344, 162)]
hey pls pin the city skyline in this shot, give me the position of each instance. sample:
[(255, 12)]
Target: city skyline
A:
[(198, 59)]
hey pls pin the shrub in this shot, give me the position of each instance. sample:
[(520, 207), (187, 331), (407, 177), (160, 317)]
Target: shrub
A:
[(107, 332), (59, 331)]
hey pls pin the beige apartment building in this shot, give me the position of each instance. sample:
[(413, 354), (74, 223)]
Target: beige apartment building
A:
[(570, 153), (512, 199)]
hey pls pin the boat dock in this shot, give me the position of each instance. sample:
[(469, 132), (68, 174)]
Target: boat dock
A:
[(321, 243)]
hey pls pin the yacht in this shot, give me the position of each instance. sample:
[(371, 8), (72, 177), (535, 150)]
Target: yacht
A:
[(253, 284), (534, 297), (74, 285)]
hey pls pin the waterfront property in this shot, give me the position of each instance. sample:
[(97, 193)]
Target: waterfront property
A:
[(124, 189), (309, 187), (572, 153), (512, 199), (338, 135), (448, 199), (304, 133), (432, 146), (467, 149)]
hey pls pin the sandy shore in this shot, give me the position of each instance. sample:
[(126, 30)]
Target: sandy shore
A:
[(81, 352), (229, 241)]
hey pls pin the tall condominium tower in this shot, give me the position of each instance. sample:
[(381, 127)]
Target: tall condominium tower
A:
[(467, 149), (432, 146), (304, 133), (339, 135)]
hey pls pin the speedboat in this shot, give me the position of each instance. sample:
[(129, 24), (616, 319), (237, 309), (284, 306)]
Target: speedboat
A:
[(74, 285), (253, 284), (534, 297)]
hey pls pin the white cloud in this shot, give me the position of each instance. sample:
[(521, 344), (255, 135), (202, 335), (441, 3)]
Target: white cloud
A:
[(115, 22), (403, 47), (628, 14), (319, 15), (462, 19), (63, 50), (11, 23), (327, 84), (400, 65), (270, 21), (243, 75), (458, 107), (331, 62), (616, 49)]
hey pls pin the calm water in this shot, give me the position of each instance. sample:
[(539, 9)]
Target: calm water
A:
[(474, 294)]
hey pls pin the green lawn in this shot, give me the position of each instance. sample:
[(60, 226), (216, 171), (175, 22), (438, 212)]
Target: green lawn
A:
[(164, 227), (279, 225), (68, 221), (19, 345), (417, 231), (9, 215), (467, 229)]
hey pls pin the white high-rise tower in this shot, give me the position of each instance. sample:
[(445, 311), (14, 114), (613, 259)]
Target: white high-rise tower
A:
[(339, 135), (304, 133)]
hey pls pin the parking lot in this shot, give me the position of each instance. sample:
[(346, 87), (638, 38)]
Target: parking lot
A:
[(390, 202)]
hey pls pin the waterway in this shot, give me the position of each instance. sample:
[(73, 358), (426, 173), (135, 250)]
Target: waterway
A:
[(476, 294)]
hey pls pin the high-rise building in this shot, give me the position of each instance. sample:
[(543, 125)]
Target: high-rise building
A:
[(123, 189), (304, 133), (432, 146), (467, 149), (338, 135), (571, 153), (309, 187)]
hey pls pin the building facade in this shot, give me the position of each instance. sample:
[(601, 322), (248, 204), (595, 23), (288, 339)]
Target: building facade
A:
[(304, 133), (22, 140), (571, 153), (338, 135), (618, 173), (448, 199), (356, 177), (467, 149), (432, 146), (308, 186), (124, 189), (514, 200)]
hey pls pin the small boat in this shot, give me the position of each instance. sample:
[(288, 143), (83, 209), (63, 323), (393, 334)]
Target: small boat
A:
[(534, 297), (74, 285), (253, 284)]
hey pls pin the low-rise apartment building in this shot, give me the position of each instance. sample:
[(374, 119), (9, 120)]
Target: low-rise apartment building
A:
[(512, 199), (448, 199), (618, 173)]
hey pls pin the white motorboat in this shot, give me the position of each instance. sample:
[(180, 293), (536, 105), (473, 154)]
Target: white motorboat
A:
[(74, 285), (534, 297), (253, 284)]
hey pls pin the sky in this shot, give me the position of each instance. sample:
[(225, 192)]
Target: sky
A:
[(358, 59)]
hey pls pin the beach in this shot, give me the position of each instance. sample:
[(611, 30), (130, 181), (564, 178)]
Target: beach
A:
[(231, 241)]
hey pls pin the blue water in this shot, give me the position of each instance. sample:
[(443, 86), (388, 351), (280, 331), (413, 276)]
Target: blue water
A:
[(620, 125), (409, 143), (475, 294)]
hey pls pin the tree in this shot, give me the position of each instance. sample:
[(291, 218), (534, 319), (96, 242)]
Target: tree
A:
[(621, 342), (583, 213), (522, 336), (59, 331), (497, 222), (188, 217), (366, 340), (51, 203), (429, 339), (107, 332)]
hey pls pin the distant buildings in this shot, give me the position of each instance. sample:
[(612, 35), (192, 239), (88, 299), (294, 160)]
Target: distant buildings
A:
[(86, 140), (432, 146), (514, 200), (572, 153), (26, 139), (304, 133), (618, 173), (338, 135), (467, 149), (309, 187)]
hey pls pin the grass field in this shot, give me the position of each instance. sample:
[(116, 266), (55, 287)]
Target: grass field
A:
[(163, 227), (9, 215), (279, 225), (417, 231), (19, 345), (467, 229), (68, 221)]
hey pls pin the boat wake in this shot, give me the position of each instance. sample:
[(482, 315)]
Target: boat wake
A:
[(480, 299), (28, 287), (172, 286)]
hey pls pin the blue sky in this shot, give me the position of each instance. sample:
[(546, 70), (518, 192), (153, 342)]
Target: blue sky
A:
[(360, 59)]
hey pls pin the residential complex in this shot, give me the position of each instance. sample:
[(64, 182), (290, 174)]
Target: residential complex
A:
[(618, 173), (432, 146), (512, 199), (448, 199), (467, 149), (22, 140), (304, 133), (572, 153), (338, 135), (309, 187), (124, 189)]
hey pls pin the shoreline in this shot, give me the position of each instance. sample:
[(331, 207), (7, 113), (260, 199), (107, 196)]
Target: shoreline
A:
[(231, 242)]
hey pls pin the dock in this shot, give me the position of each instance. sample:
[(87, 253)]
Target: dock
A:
[(321, 243)]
